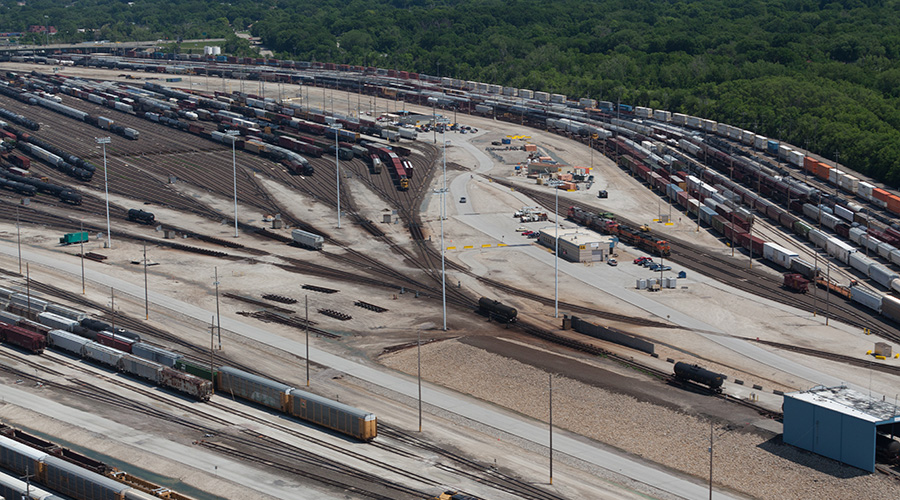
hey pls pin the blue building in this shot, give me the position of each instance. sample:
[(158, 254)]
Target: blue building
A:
[(839, 423)]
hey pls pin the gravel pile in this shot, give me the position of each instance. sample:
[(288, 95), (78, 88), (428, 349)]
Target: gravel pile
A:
[(743, 461)]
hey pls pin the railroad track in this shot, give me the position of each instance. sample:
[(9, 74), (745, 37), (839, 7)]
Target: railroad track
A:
[(734, 273), (264, 449)]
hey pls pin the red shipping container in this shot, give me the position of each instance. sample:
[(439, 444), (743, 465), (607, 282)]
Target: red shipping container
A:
[(880, 194), (117, 342), (810, 164), (893, 204)]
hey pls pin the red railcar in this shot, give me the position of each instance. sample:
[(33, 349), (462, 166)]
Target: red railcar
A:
[(115, 341), (26, 339)]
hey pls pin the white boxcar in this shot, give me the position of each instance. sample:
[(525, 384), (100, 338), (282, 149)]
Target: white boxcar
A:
[(778, 254), (860, 262)]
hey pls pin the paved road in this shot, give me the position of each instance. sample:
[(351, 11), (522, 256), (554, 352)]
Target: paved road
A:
[(676, 484)]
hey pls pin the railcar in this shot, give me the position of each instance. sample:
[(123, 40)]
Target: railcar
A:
[(685, 372), (497, 310)]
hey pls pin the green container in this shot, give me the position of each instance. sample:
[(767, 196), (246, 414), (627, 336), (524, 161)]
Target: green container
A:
[(801, 228), (195, 369), (71, 238)]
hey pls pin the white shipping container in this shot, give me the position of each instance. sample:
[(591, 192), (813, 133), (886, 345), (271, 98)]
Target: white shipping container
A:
[(760, 142), (526, 94), (708, 125), (796, 158), (778, 254), (558, 98), (865, 190), (834, 176), (784, 151), (849, 183), (679, 119), (642, 112), (693, 122), (747, 137), (662, 115), (542, 96)]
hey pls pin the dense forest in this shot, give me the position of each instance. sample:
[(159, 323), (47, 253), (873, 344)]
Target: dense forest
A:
[(822, 75)]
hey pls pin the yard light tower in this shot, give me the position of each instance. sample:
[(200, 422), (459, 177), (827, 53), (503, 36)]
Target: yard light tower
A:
[(233, 134), (103, 141), (337, 170)]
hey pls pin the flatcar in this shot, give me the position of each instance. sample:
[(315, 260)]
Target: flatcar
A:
[(685, 372)]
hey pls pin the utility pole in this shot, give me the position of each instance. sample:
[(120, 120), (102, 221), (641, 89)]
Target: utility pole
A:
[(19, 240), (81, 237), (306, 304), (104, 141), (218, 313), (550, 376), (146, 290), (419, 372)]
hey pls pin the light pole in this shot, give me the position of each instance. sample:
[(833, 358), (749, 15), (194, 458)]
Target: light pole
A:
[(337, 170), (556, 256), (104, 141), (234, 134), (443, 212)]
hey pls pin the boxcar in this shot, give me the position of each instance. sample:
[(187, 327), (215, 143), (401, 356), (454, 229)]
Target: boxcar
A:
[(76, 482), (186, 383), (18, 458), (196, 369), (115, 341), (333, 415), (245, 385)]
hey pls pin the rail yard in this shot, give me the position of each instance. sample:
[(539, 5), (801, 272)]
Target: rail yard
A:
[(309, 306)]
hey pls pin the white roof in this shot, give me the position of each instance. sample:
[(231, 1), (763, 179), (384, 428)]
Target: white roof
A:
[(851, 403)]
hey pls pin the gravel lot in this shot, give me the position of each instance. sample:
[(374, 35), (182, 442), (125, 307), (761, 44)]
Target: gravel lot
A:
[(747, 462)]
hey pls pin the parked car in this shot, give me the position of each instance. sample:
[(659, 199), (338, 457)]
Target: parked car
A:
[(640, 260), (462, 200), (648, 263), (612, 262)]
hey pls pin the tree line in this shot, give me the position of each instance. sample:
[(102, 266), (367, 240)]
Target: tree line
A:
[(821, 75)]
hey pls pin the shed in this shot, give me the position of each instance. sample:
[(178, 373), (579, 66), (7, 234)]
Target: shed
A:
[(838, 423)]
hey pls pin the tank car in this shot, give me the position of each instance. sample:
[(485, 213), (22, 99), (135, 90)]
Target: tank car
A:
[(141, 216), (496, 310), (695, 373)]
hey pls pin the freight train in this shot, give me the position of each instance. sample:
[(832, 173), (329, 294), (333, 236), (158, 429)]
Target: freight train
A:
[(123, 351), (606, 223), (62, 476), (301, 404)]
